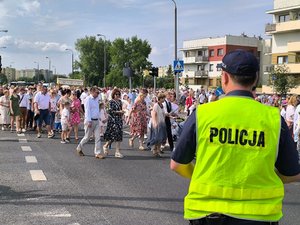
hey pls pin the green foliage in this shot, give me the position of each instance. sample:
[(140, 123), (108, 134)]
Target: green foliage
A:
[(136, 52), (161, 82), (75, 75), (3, 79), (91, 59), (54, 78), (165, 82), (38, 77), (26, 79), (282, 81), (169, 71), (120, 51)]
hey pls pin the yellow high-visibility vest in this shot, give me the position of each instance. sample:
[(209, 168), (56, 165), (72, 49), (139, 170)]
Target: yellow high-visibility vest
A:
[(234, 174)]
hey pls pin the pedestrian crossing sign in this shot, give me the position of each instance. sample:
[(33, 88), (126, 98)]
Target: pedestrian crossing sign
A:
[(178, 66)]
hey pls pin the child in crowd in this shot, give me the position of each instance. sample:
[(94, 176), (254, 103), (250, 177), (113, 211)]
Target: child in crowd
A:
[(103, 119), (65, 122), (57, 123)]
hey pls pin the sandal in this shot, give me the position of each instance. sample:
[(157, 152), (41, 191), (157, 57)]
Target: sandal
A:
[(142, 148), (119, 155), (105, 150), (131, 144)]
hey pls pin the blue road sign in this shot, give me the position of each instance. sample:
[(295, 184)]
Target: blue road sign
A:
[(178, 66)]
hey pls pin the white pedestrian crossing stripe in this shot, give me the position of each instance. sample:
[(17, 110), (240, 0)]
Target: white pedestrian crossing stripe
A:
[(37, 175), (60, 213), (23, 140), (30, 159), (21, 135), (26, 148)]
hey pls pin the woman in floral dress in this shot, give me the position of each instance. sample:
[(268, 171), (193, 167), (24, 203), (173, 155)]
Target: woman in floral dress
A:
[(76, 110), (138, 120), (114, 130)]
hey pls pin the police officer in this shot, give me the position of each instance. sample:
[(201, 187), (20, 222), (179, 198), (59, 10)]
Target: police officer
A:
[(243, 153)]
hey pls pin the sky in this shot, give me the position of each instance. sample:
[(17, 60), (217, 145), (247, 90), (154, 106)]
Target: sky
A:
[(45, 28)]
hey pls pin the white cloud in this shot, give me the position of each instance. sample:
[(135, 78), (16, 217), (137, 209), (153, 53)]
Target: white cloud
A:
[(28, 7), (30, 46)]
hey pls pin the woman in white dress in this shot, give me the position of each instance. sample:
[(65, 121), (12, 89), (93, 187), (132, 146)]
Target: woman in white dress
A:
[(158, 132), (4, 110)]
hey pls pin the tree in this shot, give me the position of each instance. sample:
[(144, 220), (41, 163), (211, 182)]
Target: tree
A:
[(3, 79), (26, 79), (134, 51), (91, 55), (38, 77), (169, 71), (282, 81)]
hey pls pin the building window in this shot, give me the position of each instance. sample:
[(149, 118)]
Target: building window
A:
[(200, 53), (201, 67), (211, 67), (282, 59), (211, 53), (210, 82), (219, 69), (187, 54), (220, 51), (284, 18)]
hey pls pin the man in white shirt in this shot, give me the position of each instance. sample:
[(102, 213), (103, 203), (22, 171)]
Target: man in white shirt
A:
[(83, 96), (42, 108), (91, 123)]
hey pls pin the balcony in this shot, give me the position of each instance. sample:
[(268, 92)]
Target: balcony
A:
[(197, 74), (284, 27), (201, 73), (293, 46), (197, 59), (293, 68), (270, 28)]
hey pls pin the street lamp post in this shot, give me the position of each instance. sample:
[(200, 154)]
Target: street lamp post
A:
[(175, 35), (104, 66), (38, 70), (54, 69), (68, 49), (49, 68)]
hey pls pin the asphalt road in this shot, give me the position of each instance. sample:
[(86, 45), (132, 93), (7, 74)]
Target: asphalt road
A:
[(45, 182)]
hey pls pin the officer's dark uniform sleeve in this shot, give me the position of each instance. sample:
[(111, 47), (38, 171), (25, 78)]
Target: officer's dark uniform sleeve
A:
[(287, 162), (185, 148)]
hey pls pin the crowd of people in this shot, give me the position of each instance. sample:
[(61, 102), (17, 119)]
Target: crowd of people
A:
[(151, 117)]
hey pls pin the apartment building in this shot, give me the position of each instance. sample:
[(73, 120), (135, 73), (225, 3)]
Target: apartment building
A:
[(285, 32), (10, 73), (202, 56)]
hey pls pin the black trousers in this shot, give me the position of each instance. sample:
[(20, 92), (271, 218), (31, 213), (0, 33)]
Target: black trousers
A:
[(219, 219), (169, 133)]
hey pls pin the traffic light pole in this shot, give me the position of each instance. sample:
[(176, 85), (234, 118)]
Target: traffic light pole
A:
[(154, 84), (130, 83)]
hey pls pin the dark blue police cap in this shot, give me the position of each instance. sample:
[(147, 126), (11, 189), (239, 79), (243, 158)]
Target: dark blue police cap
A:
[(240, 63)]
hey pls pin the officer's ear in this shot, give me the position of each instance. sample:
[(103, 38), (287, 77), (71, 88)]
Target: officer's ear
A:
[(225, 77)]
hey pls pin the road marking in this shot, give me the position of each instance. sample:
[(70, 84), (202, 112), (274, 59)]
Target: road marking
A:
[(37, 175), (26, 148), (23, 140), (21, 135), (30, 159), (126, 132), (62, 213)]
